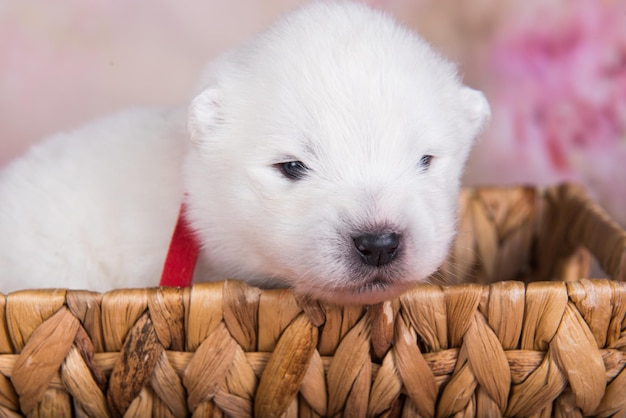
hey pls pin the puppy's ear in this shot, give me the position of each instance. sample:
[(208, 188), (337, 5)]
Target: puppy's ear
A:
[(477, 109), (204, 114)]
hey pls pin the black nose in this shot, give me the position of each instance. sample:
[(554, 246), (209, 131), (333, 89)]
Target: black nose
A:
[(377, 249)]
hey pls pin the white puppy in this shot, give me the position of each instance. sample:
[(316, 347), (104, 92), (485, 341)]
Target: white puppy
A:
[(323, 155)]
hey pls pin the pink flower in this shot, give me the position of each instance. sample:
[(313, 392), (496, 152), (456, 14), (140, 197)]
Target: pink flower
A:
[(559, 99)]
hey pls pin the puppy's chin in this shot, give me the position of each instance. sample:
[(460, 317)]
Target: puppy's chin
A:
[(367, 293)]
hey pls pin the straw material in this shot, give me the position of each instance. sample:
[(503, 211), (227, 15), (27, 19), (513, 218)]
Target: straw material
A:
[(225, 349), (530, 234)]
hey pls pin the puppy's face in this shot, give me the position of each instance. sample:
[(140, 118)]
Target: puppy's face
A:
[(336, 175)]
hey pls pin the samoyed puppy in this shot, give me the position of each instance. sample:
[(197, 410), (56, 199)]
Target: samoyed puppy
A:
[(324, 155)]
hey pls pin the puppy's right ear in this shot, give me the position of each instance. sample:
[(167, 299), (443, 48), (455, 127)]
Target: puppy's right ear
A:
[(477, 109), (204, 114)]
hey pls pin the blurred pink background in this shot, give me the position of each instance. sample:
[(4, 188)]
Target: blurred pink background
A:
[(554, 71)]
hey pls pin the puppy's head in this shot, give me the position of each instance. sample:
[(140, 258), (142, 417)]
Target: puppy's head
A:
[(328, 154)]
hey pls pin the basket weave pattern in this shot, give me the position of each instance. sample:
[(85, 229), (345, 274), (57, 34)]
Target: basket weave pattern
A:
[(226, 349)]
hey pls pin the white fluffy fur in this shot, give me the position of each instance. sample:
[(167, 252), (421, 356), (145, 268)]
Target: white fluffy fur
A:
[(344, 89)]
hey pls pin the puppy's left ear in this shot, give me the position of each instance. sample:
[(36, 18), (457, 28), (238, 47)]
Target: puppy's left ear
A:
[(204, 114), (476, 108)]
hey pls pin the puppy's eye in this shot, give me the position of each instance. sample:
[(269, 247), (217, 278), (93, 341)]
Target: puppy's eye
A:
[(293, 170), (425, 161)]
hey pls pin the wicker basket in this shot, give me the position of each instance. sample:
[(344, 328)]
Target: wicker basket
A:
[(226, 349)]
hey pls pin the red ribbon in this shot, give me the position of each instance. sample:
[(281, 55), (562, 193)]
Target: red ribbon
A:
[(181, 256)]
